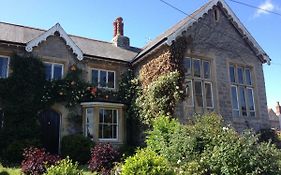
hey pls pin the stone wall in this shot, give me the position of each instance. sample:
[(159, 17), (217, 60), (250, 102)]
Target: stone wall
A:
[(221, 43)]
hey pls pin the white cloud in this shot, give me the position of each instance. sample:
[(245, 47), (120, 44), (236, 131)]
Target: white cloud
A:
[(264, 8)]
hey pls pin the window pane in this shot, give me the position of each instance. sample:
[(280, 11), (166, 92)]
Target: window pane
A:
[(232, 73), (196, 68), (57, 72), (3, 67), (114, 131), (101, 116), (207, 72), (102, 79), (107, 131), (240, 75), (242, 101), (108, 116), (234, 98), (115, 116), (89, 122), (100, 131), (110, 80), (209, 95), (187, 66), (198, 93), (248, 77), (95, 77), (48, 71), (189, 93), (250, 98)]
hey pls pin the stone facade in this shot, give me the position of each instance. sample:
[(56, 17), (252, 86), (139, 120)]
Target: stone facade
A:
[(215, 37), (218, 41)]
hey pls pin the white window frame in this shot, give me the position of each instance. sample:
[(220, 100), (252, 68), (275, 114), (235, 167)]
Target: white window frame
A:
[(212, 96), (52, 68), (245, 87), (117, 125), (8, 65), (192, 95), (99, 70), (237, 99)]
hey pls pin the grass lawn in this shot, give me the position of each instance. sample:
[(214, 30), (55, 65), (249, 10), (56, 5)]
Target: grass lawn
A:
[(9, 171), (16, 171)]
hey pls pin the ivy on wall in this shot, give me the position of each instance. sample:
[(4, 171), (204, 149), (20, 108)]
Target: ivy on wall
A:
[(26, 92)]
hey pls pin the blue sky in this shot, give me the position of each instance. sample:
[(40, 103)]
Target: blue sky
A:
[(146, 19)]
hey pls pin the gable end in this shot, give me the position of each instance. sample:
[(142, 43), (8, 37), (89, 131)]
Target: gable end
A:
[(51, 32)]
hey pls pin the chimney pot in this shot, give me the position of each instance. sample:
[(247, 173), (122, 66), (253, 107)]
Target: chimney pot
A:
[(119, 39)]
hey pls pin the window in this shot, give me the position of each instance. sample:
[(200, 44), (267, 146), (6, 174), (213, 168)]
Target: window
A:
[(103, 78), (242, 93), (89, 122), (108, 124), (4, 62), (198, 90), (53, 71)]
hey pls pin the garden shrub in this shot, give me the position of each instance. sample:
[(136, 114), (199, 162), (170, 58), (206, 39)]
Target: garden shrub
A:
[(170, 139), (13, 154), (209, 147), (159, 98), (103, 157), (266, 135), (36, 161), (64, 167), (77, 147), (146, 162)]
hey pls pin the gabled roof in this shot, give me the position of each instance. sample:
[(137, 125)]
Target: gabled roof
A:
[(22, 35), (43, 37), (170, 35)]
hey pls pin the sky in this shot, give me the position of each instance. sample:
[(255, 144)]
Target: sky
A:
[(146, 19)]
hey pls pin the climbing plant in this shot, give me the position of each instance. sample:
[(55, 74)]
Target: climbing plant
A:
[(160, 98), (20, 97)]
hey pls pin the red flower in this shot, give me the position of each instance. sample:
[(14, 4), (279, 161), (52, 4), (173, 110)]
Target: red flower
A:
[(93, 90)]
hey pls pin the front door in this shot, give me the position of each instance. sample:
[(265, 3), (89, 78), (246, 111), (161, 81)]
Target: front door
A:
[(50, 126)]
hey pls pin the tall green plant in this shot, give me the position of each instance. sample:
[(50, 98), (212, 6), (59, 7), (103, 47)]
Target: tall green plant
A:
[(20, 97), (160, 98)]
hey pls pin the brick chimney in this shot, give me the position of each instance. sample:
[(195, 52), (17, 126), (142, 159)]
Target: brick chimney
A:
[(119, 39), (278, 109)]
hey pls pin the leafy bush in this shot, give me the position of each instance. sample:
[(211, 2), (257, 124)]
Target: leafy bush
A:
[(36, 161), (63, 167), (146, 162), (103, 157), (209, 147), (170, 139), (160, 97), (77, 147), (266, 135)]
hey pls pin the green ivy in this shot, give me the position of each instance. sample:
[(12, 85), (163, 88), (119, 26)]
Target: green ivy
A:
[(160, 98)]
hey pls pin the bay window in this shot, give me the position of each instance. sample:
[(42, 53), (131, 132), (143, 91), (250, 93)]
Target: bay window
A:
[(108, 124), (199, 91), (89, 122), (242, 91)]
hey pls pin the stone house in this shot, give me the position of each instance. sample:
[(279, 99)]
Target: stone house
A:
[(275, 117), (222, 66)]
